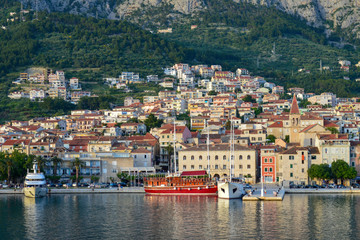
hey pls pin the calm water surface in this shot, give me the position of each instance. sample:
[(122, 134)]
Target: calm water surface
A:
[(136, 216)]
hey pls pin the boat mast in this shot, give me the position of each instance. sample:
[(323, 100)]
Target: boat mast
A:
[(207, 146), (231, 141), (175, 169)]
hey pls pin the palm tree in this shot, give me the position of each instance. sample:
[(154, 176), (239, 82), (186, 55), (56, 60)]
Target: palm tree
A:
[(77, 163), (7, 162), (41, 162), (55, 160), (170, 151)]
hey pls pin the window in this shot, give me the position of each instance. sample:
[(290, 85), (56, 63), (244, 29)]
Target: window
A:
[(291, 174), (253, 139), (167, 136), (302, 170), (266, 169), (270, 160), (232, 167), (200, 158), (291, 166), (184, 158), (270, 169), (240, 157), (224, 167), (259, 138), (265, 160), (353, 164), (313, 157), (216, 167), (192, 167), (163, 136), (248, 157), (216, 157), (291, 158), (200, 166), (134, 156), (224, 157), (240, 166), (184, 167), (192, 157), (325, 150), (248, 166)]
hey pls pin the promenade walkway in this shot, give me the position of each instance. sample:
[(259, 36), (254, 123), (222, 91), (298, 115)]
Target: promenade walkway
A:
[(82, 190)]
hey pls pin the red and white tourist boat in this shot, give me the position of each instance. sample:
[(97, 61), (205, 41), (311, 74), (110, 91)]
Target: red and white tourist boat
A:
[(188, 183)]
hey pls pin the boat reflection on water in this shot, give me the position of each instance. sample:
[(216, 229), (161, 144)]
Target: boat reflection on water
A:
[(34, 213)]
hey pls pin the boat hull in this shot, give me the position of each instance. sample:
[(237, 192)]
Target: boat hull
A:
[(230, 190), (35, 192), (197, 191)]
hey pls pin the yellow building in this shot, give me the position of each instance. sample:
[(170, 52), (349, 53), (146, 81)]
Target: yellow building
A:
[(244, 163)]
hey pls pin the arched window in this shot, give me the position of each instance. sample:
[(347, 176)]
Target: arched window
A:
[(184, 157), (192, 158), (240, 157), (200, 158), (216, 157), (248, 157), (224, 157)]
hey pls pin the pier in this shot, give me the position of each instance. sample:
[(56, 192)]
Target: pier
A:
[(269, 195)]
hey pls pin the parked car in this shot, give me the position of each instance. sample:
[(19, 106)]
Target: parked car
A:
[(66, 185), (355, 185), (51, 185), (59, 185), (84, 185), (247, 186), (123, 184)]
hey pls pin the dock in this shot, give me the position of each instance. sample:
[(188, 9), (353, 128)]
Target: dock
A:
[(269, 195), (81, 190)]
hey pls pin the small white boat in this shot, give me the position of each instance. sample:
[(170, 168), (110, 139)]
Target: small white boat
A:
[(35, 184), (230, 190)]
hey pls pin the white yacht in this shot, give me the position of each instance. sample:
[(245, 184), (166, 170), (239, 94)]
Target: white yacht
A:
[(227, 188), (230, 190), (35, 184)]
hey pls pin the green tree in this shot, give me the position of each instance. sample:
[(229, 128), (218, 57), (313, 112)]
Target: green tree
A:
[(55, 161), (248, 98), (304, 103), (212, 93), (228, 125), (152, 122), (41, 162), (271, 138), (123, 176), (77, 163), (170, 151), (341, 170), (333, 130), (7, 164), (94, 179)]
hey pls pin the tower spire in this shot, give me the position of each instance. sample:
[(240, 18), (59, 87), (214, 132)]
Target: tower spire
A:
[(294, 106)]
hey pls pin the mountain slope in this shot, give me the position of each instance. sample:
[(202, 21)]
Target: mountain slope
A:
[(332, 14)]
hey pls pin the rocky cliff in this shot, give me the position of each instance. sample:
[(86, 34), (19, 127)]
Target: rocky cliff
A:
[(328, 13)]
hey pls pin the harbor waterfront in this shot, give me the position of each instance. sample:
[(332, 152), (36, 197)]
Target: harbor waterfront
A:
[(139, 216)]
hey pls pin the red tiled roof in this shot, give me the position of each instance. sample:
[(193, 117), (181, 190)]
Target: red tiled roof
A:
[(308, 128), (278, 124)]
